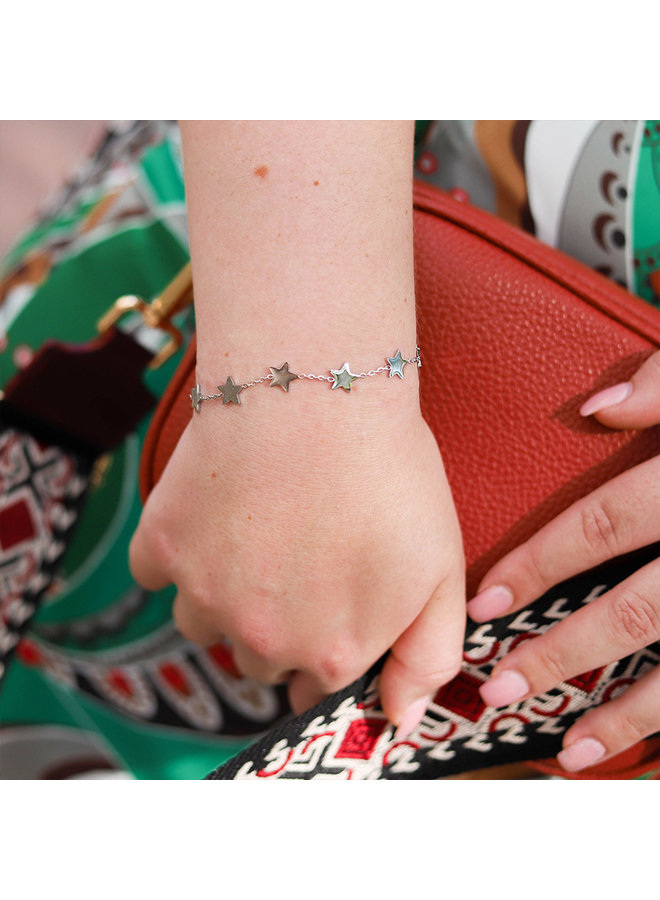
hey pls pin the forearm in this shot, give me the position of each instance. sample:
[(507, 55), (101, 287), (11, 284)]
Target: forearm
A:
[(313, 528), (301, 241)]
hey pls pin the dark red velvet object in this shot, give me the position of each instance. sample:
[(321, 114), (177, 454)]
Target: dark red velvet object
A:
[(85, 397)]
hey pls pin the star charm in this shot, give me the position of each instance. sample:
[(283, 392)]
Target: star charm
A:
[(230, 391), (396, 362), (196, 397), (343, 377), (282, 377)]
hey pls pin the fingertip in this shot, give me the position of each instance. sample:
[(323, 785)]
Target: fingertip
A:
[(607, 398), (412, 717), (504, 688), (581, 754), (405, 696), (630, 404), (491, 602)]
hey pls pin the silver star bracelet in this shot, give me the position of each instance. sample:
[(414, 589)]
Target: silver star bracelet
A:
[(282, 377)]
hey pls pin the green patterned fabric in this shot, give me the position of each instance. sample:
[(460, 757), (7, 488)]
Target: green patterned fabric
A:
[(102, 677), (118, 228)]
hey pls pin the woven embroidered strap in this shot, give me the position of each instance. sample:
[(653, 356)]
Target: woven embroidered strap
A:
[(348, 737), (42, 491), (59, 416)]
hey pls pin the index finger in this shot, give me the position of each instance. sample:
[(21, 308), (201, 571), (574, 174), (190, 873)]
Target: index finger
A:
[(620, 516)]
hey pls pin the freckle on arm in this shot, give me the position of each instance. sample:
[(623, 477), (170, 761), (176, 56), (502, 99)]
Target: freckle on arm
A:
[(261, 171)]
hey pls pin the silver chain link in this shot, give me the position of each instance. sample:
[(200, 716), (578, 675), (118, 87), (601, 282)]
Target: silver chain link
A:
[(268, 377), (317, 377), (415, 359), (373, 372)]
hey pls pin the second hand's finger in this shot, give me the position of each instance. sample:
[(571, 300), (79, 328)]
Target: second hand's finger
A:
[(620, 516), (630, 404), (614, 726), (611, 627)]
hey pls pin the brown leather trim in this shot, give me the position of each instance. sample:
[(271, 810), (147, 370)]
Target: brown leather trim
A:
[(158, 428)]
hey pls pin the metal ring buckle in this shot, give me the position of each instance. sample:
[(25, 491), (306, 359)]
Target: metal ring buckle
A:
[(156, 314)]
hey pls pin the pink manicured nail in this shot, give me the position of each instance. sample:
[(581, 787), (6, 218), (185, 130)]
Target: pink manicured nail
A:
[(581, 754), (609, 397), (491, 602), (505, 688), (412, 717)]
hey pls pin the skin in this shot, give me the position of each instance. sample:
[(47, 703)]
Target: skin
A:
[(314, 528), (620, 516)]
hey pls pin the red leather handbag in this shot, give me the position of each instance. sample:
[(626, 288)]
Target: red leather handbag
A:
[(514, 336)]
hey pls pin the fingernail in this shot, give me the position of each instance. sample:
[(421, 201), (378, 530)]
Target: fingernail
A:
[(581, 754), (491, 602), (609, 397), (412, 717), (505, 688)]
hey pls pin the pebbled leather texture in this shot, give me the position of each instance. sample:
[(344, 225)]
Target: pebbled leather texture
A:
[(514, 337)]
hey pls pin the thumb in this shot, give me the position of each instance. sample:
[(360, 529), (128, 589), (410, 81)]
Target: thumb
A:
[(630, 404), (427, 655)]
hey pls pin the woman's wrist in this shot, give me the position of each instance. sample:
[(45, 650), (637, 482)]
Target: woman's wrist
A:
[(301, 239), (311, 419), (346, 377)]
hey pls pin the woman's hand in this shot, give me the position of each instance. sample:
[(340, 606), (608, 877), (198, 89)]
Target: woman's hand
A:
[(620, 516), (316, 532), (314, 528)]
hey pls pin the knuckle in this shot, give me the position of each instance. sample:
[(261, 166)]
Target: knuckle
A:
[(336, 664), (535, 565), (551, 664), (203, 602), (601, 528), (447, 673), (158, 543), (635, 618), (631, 727), (452, 670), (194, 604), (258, 635), (432, 678)]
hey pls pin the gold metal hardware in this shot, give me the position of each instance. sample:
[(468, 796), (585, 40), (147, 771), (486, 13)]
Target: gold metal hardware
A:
[(100, 470), (177, 295)]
